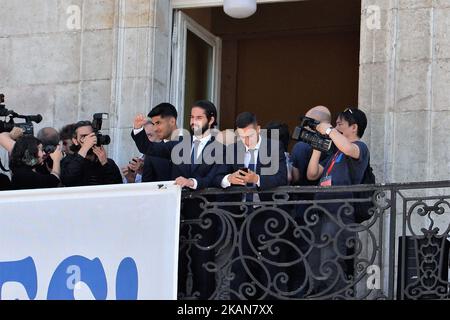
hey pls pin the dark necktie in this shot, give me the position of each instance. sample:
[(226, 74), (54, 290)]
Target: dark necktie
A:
[(251, 166)]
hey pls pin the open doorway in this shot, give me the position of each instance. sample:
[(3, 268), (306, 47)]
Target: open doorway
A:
[(285, 59), (196, 62)]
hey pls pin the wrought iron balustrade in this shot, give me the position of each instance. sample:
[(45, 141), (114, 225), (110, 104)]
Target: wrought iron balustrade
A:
[(304, 243)]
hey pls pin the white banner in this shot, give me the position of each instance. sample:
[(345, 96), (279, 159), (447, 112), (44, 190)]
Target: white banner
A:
[(102, 242)]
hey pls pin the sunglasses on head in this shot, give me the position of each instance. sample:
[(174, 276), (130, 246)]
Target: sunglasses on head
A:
[(348, 110)]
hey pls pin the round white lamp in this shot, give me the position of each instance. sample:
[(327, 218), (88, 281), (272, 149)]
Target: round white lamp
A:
[(239, 9)]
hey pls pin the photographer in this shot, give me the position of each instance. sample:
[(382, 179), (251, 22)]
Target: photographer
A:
[(7, 141), (302, 151), (26, 156), (89, 165), (350, 127), (66, 138), (49, 138), (345, 167)]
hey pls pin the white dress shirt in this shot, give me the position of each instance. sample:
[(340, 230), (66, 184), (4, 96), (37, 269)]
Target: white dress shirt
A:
[(201, 146), (226, 183)]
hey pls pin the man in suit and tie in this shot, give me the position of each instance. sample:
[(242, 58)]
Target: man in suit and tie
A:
[(256, 162), (190, 168), (164, 120)]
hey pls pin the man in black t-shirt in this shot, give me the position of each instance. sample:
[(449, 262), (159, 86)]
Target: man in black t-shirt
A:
[(300, 155), (345, 167)]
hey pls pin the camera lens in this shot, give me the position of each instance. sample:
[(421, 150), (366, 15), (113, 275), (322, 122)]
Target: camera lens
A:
[(103, 140), (49, 149)]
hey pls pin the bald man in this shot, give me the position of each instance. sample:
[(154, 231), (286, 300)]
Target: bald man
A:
[(300, 156), (301, 153), (319, 113), (50, 139), (48, 136)]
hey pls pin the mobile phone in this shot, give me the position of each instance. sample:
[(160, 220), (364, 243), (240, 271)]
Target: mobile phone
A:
[(243, 169), (133, 161)]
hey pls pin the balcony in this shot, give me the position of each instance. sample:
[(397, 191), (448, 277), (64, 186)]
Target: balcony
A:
[(304, 243)]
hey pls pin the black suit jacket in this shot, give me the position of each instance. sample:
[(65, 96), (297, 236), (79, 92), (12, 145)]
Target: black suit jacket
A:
[(5, 183), (156, 169), (267, 181), (204, 173)]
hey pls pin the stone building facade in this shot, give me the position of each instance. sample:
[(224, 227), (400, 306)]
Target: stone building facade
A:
[(68, 59)]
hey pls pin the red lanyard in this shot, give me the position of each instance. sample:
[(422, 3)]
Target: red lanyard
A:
[(333, 161)]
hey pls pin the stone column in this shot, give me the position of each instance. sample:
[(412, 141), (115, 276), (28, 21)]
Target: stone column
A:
[(141, 73), (67, 59), (404, 74)]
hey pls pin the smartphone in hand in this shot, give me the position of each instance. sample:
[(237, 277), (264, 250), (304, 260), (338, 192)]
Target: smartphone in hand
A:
[(132, 162), (243, 169)]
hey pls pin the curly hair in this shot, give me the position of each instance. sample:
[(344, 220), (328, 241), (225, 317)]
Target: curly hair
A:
[(25, 152)]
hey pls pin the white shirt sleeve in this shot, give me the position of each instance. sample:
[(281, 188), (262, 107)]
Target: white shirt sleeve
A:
[(225, 182), (136, 131), (195, 183)]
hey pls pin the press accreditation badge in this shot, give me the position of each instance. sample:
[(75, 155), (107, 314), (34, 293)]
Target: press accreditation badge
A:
[(325, 181)]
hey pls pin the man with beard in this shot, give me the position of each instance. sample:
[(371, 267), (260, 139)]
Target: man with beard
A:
[(191, 168), (89, 165), (65, 134), (188, 170)]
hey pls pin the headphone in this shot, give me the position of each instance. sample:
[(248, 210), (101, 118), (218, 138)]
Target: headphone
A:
[(29, 159)]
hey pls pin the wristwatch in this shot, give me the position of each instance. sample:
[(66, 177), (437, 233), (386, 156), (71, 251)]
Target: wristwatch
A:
[(328, 131)]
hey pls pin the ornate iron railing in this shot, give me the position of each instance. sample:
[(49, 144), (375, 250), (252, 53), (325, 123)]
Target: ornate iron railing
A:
[(304, 243)]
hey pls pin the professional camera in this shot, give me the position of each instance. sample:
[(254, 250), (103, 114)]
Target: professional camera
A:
[(50, 148), (307, 133), (97, 126), (7, 126)]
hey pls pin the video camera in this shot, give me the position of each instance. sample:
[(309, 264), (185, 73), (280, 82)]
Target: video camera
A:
[(97, 126), (307, 133), (7, 126)]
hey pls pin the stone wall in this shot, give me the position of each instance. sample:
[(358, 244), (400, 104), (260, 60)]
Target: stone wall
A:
[(404, 77), (109, 63)]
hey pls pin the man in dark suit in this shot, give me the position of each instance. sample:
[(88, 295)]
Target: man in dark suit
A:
[(256, 162), (264, 166), (192, 162), (190, 157), (164, 120)]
